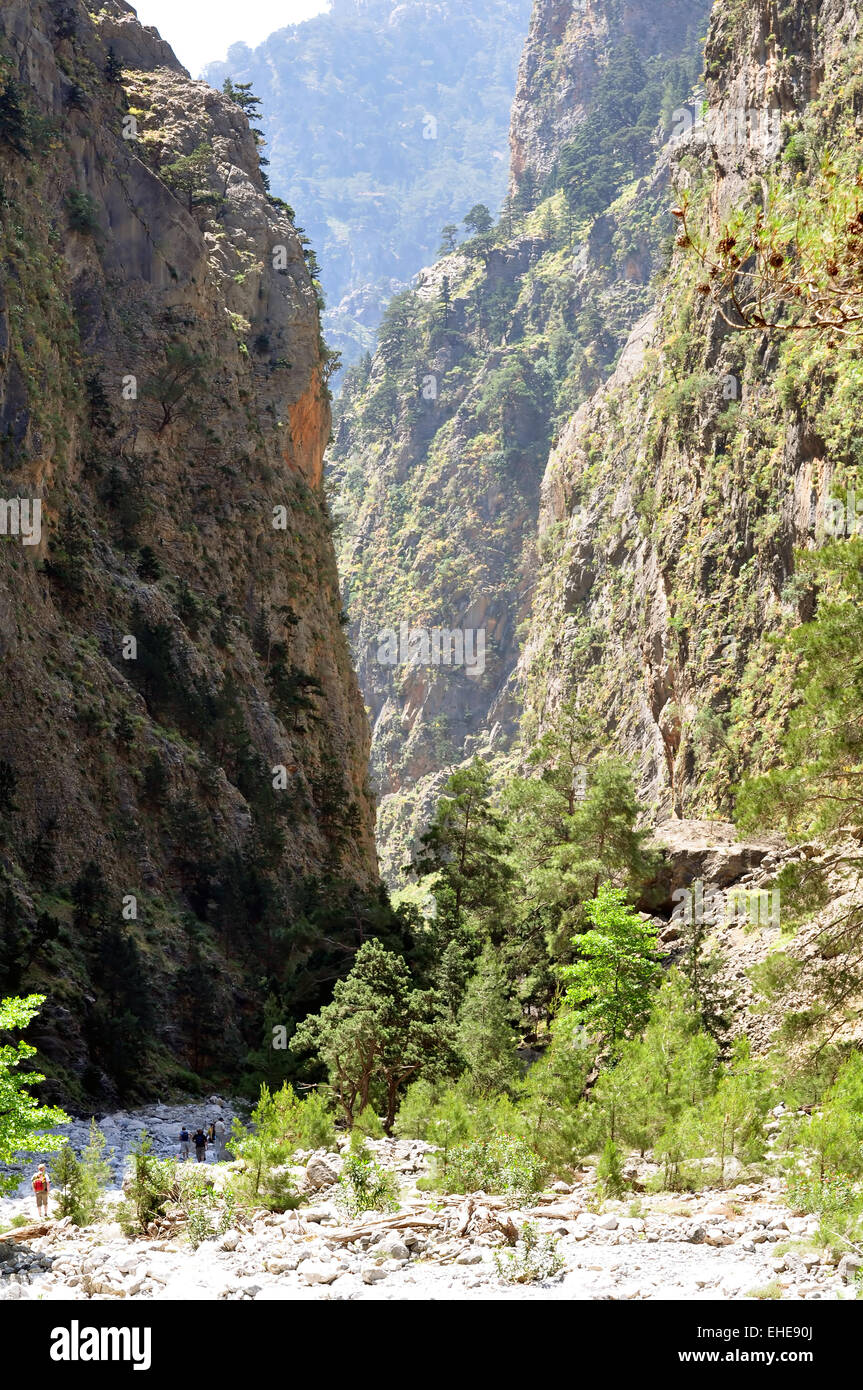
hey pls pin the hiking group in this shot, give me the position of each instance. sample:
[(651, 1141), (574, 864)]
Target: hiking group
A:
[(214, 1138)]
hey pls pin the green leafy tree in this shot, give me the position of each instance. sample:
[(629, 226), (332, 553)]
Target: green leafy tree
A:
[(23, 1121), (378, 1033), (611, 986)]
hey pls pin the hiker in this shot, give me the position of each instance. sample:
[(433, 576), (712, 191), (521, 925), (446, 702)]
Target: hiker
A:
[(211, 1133), (185, 1145), (41, 1186), (200, 1142), (219, 1138)]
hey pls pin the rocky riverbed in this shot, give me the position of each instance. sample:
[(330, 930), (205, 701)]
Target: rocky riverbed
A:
[(712, 1245)]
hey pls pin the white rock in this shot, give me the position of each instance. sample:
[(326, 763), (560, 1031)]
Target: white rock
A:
[(315, 1272)]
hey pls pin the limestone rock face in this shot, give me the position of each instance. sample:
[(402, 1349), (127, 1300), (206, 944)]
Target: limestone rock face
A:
[(180, 720), (440, 449), (711, 851), (563, 60), (677, 494)]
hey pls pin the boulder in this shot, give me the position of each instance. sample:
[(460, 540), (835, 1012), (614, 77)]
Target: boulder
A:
[(322, 1172), (393, 1247), (314, 1272)]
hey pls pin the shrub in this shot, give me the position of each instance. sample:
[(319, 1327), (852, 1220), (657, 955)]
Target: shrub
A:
[(368, 1125), (81, 213), (365, 1186), (147, 1190), (206, 1213), (836, 1201), (530, 1260), (823, 1197), (265, 1152), (609, 1172), (767, 1291), (500, 1165)]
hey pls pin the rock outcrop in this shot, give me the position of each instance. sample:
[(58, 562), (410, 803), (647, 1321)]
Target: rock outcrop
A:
[(183, 747), (677, 494), (441, 443)]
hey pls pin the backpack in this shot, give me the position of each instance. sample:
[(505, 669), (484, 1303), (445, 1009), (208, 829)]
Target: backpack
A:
[(38, 1184), (184, 1136)]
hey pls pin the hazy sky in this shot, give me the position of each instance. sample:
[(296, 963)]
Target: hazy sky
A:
[(201, 31)]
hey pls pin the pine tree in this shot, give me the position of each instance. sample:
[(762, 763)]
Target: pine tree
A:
[(486, 1037), (65, 1180), (465, 848), (478, 220), (379, 1032), (13, 117), (448, 239)]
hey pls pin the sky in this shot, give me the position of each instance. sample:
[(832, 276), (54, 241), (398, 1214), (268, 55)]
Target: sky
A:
[(202, 31)]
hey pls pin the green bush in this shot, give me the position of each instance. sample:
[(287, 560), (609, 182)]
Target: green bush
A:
[(365, 1186), (207, 1214), (368, 1124), (81, 213), (281, 1123), (609, 1172), (530, 1260), (826, 1197), (147, 1190), (500, 1165)]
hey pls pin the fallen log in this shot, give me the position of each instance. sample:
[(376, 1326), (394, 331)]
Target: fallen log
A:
[(27, 1232), (400, 1223)]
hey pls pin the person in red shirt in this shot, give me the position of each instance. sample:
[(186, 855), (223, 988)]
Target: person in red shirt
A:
[(41, 1185)]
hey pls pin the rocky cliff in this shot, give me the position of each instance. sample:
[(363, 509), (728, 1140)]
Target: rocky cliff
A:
[(563, 61), (384, 121), (676, 496), (186, 826), (442, 441)]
